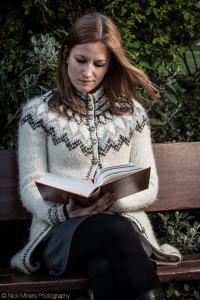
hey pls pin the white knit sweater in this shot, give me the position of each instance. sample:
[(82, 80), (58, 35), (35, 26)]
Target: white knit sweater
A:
[(78, 148)]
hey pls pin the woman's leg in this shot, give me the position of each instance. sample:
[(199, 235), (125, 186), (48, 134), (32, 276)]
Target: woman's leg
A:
[(102, 279), (114, 238)]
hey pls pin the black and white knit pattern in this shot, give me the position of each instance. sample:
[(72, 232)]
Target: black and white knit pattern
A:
[(112, 131)]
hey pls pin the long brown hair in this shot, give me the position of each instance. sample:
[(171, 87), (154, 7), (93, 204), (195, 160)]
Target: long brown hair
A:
[(119, 82)]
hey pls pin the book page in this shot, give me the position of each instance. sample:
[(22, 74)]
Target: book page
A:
[(112, 177), (114, 172), (76, 186)]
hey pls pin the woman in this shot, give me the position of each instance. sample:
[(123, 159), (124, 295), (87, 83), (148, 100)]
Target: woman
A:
[(89, 122)]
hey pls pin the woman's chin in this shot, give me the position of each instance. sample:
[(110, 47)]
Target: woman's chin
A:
[(88, 88)]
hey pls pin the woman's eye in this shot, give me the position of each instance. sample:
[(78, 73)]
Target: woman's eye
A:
[(80, 61), (99, 65)]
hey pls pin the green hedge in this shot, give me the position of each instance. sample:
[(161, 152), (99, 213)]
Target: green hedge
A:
[(161, 37)]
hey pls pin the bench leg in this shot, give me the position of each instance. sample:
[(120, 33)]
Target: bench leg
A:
[(155, 294)]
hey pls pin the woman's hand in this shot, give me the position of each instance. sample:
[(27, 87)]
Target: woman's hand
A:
[(74, 210)]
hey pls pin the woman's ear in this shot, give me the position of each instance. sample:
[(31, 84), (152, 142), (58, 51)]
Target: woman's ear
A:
[(66, 54)]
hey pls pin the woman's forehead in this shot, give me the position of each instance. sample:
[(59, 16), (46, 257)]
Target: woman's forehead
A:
[(97, 50)]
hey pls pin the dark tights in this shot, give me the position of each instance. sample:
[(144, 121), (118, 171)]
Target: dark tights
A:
[(109, 250)]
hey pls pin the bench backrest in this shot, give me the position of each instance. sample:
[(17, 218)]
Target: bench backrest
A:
[(178, 166)]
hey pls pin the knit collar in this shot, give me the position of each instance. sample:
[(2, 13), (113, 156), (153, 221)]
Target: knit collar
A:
[(98, 97), (96, 93)]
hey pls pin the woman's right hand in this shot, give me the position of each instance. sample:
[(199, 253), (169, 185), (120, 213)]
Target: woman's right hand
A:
[(75, 210)]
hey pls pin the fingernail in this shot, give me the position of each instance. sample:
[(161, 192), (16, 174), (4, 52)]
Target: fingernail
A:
[(107, 194)]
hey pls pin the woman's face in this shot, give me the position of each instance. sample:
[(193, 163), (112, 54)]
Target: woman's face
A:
[(87, 65)]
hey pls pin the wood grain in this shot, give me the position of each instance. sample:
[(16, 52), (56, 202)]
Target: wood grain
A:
[(13, 281), (178, 166), (11, 207)]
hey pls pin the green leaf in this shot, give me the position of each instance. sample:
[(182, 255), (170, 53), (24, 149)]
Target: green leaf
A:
[(164, 128), (184, 214), (148, 12), (186, 287), (27, 11), (162, 70), (156, 122), (177, 216), (162, 217), (161, 40), (171, 97), (161, 113), (184, 223), (14, 95), (182, 90), (34, 40), (171, 289), (172, 87), (170, 230), (124, 10), (10, 117), (45, 87), (148, 48), (25, 4), (152, 2), (196, 224), (29, 70)]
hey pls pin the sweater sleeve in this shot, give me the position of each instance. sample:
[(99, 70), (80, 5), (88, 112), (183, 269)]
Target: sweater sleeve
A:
[(33, 162), (142, 155)]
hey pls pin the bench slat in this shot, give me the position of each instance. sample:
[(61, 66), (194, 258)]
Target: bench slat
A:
[(179, 181), (178, 166), (179, 273), (11, 208), (15, 282)]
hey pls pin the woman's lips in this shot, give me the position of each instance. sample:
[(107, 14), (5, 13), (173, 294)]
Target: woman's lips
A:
[(85, 81)]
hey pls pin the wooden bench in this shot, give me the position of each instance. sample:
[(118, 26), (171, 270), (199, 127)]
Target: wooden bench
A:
[(178, 167)]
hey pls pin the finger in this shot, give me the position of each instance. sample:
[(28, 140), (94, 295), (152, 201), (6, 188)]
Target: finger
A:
[(72, 201), (100, 202), (106, 198), (109, 203), (103, 197), (112, 196), (104, 203)]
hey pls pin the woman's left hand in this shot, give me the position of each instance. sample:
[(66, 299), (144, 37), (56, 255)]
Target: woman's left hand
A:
[(75, 210)]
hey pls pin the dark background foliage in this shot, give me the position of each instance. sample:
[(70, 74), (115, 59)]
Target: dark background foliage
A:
[(161, 38)]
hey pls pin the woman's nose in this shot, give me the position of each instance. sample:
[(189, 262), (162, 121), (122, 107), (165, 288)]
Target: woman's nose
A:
[(87, 71)]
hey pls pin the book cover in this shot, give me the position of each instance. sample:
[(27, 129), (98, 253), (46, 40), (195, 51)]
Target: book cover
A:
[(58, 189)]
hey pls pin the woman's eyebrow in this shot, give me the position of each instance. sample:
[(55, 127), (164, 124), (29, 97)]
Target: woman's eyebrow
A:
[(99, 60)]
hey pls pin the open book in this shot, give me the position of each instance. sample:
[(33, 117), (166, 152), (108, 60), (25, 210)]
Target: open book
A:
[(123, 180)]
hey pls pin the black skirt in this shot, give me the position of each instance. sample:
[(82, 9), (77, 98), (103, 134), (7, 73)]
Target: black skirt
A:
[(53, 251)]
